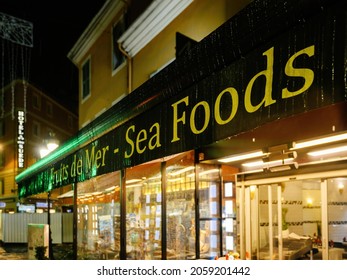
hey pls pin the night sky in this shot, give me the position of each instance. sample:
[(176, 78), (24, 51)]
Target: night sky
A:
[(57, 26)]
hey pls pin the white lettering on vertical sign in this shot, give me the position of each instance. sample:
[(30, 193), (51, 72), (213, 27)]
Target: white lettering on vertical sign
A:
[(21, 139)]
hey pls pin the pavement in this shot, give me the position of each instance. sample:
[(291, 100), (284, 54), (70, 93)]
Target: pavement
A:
[(20, 251), (13, 255)]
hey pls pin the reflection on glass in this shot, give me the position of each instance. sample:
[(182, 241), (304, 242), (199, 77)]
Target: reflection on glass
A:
[(180, 206), (143, 212), (98, 218)]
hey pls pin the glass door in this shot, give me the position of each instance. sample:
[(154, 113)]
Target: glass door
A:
[(284, 220), (264, 212), (336, 242)]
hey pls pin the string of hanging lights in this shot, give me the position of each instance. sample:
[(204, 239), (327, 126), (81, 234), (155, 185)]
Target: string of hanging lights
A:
[(17, 40)]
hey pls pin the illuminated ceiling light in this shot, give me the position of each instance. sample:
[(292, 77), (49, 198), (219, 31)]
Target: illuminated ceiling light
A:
[(239, 157), (253, 163), (96, 193), (111, 188), (269, 163), (320, 161), (328, 151), (133, 181), (323, 140)]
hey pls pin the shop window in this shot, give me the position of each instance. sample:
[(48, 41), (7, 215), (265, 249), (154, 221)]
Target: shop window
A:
[(143, 212), (180, 205), (98, 217), (86, 79), (117, 56)]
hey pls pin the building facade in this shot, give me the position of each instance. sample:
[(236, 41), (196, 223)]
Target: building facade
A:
[(222, 133), (28, 117)]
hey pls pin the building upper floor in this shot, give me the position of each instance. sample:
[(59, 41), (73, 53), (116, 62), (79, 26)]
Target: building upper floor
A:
[(128, 42), (30, 115)]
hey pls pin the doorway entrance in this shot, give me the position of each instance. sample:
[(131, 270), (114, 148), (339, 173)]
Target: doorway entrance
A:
[(305, 218)]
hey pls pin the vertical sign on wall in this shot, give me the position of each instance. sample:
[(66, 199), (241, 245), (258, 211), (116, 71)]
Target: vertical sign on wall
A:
[(21, 139)]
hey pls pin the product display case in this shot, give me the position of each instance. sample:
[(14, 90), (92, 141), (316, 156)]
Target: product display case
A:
[(153, 192)]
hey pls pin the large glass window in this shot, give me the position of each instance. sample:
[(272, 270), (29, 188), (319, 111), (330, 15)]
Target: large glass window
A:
[(98, 217), (180, 206), (143, 212)]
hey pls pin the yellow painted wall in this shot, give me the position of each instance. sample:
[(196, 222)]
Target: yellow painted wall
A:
[(197, 21)]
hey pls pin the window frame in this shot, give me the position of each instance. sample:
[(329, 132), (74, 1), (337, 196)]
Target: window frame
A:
[(115, 51), (84, 80)]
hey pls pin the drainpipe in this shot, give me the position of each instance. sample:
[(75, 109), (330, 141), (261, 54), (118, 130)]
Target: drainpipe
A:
[(130, 66)]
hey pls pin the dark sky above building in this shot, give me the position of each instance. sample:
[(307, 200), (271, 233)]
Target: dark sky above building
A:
[(57, 25)]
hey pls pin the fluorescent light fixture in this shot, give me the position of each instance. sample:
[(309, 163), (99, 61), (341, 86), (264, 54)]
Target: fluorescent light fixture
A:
[(284, 167), (239, 157), (111, 188), (328, 151), (269, 163), (133, 181), (323, 140)]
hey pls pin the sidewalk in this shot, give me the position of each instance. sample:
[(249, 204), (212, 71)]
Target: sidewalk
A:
[(20, 252), (6, 255)]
